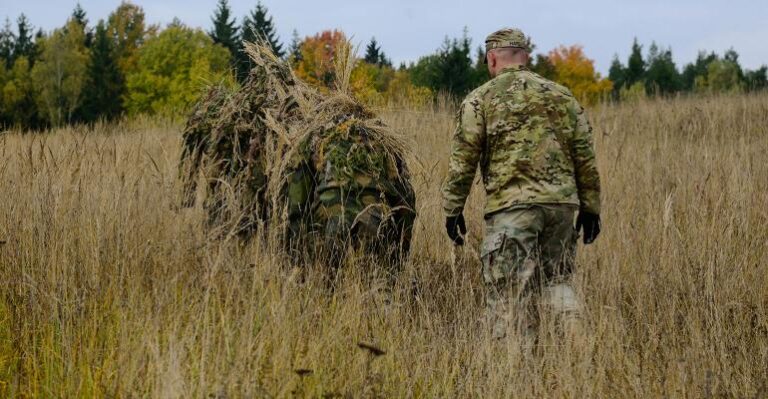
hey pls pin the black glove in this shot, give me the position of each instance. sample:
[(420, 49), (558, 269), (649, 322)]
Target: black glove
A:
[(591, 225), (456, 228)]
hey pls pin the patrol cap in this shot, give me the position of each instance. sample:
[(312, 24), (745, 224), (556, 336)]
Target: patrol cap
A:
[(507, 37)]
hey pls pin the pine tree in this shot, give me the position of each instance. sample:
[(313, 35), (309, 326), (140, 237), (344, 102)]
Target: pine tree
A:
[(224, 30), (372, 52), (25, 45), (7, 42), (103, 90), (78, 14), (662, 76), (635, 71), (294, 50), (617, 74), (259, 24), (481, 74)]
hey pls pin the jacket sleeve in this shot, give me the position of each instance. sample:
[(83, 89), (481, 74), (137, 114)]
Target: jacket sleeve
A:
[(583, 153), (466, 150)]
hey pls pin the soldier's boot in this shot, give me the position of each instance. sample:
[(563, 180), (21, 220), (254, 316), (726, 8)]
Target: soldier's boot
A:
[(561, 300)]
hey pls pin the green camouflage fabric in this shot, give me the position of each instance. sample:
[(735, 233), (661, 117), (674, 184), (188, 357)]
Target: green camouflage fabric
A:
[(347, 189), (532, 141), (528, 258), (508, 37)]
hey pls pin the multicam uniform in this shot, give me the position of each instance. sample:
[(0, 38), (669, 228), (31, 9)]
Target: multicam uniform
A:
[(350, 191), (533, 143)]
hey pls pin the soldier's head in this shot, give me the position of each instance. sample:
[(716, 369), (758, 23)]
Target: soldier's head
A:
[(506, 47)]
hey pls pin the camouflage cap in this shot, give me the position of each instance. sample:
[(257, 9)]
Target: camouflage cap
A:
[(508, 37)]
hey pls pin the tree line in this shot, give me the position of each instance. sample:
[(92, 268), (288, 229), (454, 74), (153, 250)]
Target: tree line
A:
[(656, 73), (84, 72)]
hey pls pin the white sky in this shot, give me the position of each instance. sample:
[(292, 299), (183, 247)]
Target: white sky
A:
[(407, 29)]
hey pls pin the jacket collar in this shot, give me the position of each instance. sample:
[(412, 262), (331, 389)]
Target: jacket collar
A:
[(513, 68)]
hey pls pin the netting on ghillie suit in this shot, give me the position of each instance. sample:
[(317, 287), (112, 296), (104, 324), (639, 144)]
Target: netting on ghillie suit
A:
[(233, 137), (280, 154)]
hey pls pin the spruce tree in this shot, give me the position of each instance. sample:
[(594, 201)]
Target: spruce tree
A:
[(662, 76), (25, 45), (7, 42), (617, 74), (294, 50), (103, 90), (78, 14), (224, 29), (259, 24), (481, 74), (456, 72), (372, 52), (635, 65)]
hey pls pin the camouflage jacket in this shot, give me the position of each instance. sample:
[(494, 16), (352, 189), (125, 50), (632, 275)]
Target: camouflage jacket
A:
[(532, 141), (340, 181)]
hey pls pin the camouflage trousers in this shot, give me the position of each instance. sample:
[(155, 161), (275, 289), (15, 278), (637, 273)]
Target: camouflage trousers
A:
[(528, 257)]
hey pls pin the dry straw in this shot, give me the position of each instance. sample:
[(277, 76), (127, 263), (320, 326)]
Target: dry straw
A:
[(245, 140)]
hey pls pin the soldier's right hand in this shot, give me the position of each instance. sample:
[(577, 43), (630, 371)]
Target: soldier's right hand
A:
[(456, 228)]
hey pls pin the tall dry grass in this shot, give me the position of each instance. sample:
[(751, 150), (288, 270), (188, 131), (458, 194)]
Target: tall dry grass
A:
[(109, 290)]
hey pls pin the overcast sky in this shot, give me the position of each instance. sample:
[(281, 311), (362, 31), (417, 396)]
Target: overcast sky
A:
[(407, 29)]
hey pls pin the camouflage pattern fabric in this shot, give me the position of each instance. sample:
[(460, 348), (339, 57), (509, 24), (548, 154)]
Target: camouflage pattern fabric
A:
[(349, 191), (532, 141), (528, 258), (508, 37)]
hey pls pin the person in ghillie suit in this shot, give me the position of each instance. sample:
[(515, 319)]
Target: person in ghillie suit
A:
[(229, 136), (346, 189)]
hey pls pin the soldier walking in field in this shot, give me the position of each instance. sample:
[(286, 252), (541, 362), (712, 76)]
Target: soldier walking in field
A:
[(534, 146)]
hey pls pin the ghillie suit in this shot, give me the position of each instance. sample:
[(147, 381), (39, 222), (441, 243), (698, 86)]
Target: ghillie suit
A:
[(320, 166), (232, 138), (347, 185)]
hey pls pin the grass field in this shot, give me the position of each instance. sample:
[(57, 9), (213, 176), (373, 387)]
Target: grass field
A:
[(109, 290)]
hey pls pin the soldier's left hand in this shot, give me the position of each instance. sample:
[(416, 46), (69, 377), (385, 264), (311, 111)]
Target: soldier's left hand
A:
[(590, 223)]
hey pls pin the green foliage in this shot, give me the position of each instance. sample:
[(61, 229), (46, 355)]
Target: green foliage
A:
[(79, 16), (635, 71), (544, 67), (697, 69), (25, 44), (374, 55), (17, 101), (172, 67), (635, 92), (617, 75), (449, 70), (757, 79), (294, 50), (7, 41), (722, 76), (126, 28), (104, 86), (224, 30), (258, 24), (662, 76), (59, 76), (481, 74)]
